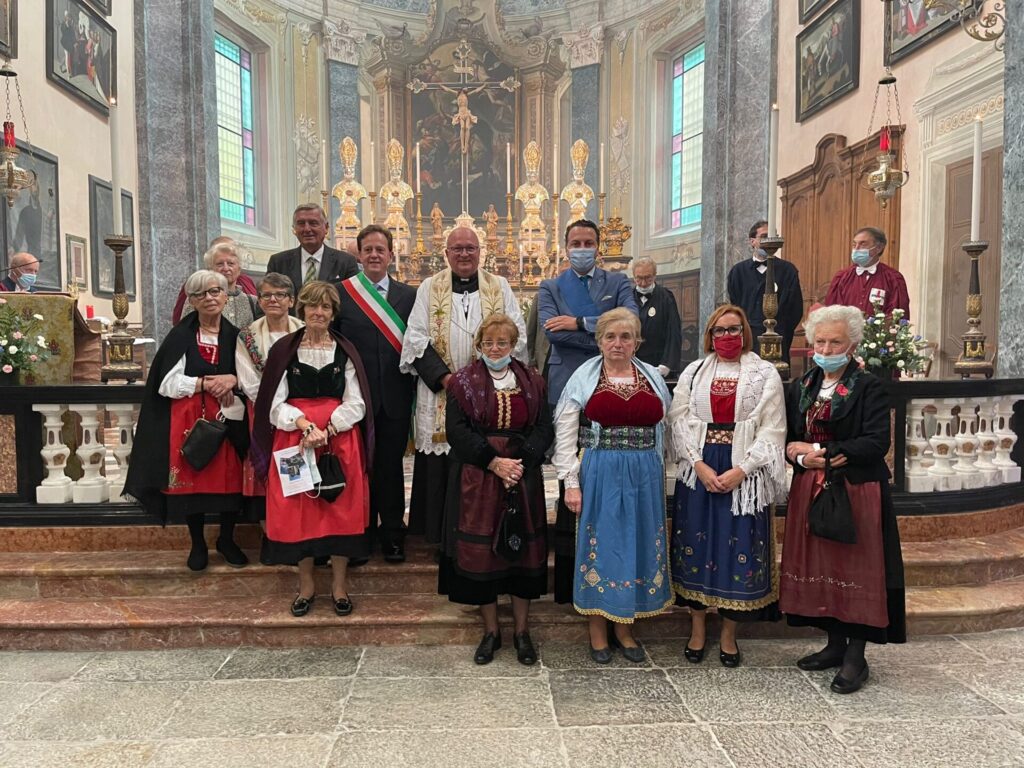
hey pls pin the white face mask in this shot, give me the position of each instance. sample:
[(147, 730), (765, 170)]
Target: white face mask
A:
[(645, 290)]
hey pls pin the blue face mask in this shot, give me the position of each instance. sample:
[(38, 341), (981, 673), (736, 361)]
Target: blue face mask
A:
[(831, 363), (497, 365), (27, 280), (861, 257), (646, 290), (582, 260), (760, 253)]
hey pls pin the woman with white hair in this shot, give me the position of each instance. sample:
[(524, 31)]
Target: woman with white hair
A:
[(241, 308), (841, 572)]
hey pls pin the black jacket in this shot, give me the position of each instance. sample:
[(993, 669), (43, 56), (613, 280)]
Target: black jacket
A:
[(660, 329)]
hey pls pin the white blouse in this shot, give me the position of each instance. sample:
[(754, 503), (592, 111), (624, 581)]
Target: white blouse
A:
[(248, 377), (177, 386), (343, 418)]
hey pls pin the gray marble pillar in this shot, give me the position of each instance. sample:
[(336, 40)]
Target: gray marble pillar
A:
[(1010, 360), (586, 102), (741, 40), (343, 98), (176, 125)]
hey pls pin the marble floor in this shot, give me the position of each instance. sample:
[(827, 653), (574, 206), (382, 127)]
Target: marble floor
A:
[(937, 701)]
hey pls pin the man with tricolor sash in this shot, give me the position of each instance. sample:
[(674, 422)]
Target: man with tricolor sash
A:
[(374, 310)]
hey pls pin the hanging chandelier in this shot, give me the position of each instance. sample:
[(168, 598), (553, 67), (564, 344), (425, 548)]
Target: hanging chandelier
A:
[(983, 20), (13, 179), (886, 177)]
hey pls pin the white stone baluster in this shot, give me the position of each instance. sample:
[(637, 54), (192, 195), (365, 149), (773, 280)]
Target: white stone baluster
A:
[(1006, 438), (92, 488), (967, 446), (917, 478), (943, 442), (122, 448), (987, 443), (56, 487)]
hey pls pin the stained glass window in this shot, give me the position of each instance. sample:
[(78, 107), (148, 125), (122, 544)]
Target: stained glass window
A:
[(687, 94), (235, 131)]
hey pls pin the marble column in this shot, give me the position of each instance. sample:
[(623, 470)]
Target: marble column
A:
[(1010, 359), (741, 40), (175, 103), (342, 48), (586, 116)]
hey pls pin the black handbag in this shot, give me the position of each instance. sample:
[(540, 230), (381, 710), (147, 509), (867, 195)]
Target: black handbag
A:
[(203, 439), (332, 477), (510, 538), (831, 516)]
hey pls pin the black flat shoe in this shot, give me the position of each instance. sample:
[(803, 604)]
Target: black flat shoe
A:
[(730, 660), (601, 655), (819, 661), (394, 553), (488, 645), (265, 551), (301, 605), (232, 554), (525, 651), (635, 654), (342, 605), (198, 559), (841, 685), (694, 655)]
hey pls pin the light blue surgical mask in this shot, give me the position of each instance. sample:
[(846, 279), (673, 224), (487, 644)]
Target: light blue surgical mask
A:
[(646, 290), (760, 254), (27, 280), (831, 363), (497, 365), (861, 257), (582, 260)]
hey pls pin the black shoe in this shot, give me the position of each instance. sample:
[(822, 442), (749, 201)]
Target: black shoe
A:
[(322, 562), (601, 655), (526, 653), (265, 551), (841, 685), (342, 605), (488, 645), (301, 605), (394, 552), (820, 660), (198, 559), (635, 654), (232, 553), (730, 660), (355, 562), (694, 655)]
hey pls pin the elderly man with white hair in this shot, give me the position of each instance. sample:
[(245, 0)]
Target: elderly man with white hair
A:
[(242, 308), (21, 277), (660, 328)]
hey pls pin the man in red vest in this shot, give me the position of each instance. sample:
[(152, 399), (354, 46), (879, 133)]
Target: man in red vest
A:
[(868, 279)]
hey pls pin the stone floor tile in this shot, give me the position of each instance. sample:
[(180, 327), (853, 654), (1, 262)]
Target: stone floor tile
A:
[(1002, 684), (165, 664), (15, 698), (749, 695), (936, 650), (905, 693), (532, 747), (97, 710), (756, 653), (40, 666), (101, 754), (250, 752), (615, 697), (439, 703), (290, 663), (1000, 645), (440, 661), (234, 708), (978, 743), (652, 746), (808, 745), (577, 656)]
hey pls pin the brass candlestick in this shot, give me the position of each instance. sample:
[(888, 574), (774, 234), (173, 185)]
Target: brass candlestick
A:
[(771, 342), (555, 235), (373, 207), (510, 242), (600, 206), (120, 349), (614, 234), (972, 360)]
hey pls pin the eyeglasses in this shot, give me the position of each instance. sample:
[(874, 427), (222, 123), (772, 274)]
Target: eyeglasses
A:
[(499, 345), (733, 330), (280, 296), (469, 249), (213, 293)]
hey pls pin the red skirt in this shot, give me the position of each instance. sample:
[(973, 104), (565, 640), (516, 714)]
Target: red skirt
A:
[(302, 517), (222, 475), (251, 484), (824, 578)]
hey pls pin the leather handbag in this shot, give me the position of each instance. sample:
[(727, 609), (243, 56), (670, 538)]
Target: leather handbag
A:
[(830, 515), (203, 439), (332, 477), (510, 538)]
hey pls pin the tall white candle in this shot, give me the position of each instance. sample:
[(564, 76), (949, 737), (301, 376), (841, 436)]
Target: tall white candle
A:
[(417, 167), (508, 168), (369, 176), (115, 167), (521, 258), (600, 169), (773, 170), (555, 170), (976, 183), (325, 172)]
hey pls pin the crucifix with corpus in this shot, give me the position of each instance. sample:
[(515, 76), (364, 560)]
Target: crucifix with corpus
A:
[(463, 89)]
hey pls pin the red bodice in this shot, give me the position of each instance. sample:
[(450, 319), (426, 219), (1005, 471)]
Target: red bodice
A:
[(509, 410), (818, 426), (635, 405), (723, 400)]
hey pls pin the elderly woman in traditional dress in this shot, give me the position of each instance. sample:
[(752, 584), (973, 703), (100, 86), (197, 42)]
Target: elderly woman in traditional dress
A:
[(617, 487), (241, 308), (498, 423), (192, 375), (853, 591), (728, 422), (311, 396)]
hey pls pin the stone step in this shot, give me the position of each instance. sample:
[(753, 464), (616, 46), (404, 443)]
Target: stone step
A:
[(967, 561)]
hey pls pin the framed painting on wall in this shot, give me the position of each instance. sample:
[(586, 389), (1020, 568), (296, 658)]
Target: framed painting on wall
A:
[(810, 7), (910, 26), (828, 58), (32, 224), (101, 224), (81, 52), (9, 29), (76, 259), (103, 6)]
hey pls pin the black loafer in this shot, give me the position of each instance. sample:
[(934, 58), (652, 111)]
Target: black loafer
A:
[(819, 661), (841, 685), (526, 653), (301, 605), (488, 645), (342, 605), (730, 660), (265, 551), (601, 655), (394, 553), (635, 654), (198, 559), (232, 554), (355, 562), (693, 655)]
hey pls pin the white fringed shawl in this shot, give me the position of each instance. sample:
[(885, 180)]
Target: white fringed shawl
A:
[(759, 439)]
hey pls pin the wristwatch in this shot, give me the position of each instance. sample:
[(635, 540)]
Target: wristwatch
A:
[(579, 324)]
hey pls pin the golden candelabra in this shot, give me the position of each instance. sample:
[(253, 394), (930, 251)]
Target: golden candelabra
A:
[(510, 240), (416, 259), (373, 207), (770, 341), (120, 357), (555, 237), (601, 196), (973, 360)]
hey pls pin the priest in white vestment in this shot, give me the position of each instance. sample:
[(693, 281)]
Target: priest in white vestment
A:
[(439, 341)]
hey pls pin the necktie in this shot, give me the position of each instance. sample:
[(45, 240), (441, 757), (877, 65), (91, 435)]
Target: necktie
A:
[(310, 270), (585, 279), (380, 287)]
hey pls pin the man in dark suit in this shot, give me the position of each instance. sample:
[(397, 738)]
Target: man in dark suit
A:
[(569, 305), (660, 328), (374, 311), (313, 259), (24, 267)]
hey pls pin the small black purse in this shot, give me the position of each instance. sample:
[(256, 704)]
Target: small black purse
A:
[(203, 439), (332, 477), (510, 538), (831, 516)]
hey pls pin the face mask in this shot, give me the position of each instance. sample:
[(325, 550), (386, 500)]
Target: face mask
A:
[(728, 347), (497, 365), (582, 260), (760, 254), (647, 290), (861, 257), (27, 280), (831, 363)]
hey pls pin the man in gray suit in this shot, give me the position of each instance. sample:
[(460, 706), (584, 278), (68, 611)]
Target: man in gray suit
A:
[(569, 305)]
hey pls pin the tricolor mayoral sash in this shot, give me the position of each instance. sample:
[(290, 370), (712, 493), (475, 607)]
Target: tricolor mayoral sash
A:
[(365, 294)]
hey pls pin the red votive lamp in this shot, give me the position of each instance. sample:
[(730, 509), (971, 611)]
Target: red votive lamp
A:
[(883, 140), (8, 134), (90, 312)]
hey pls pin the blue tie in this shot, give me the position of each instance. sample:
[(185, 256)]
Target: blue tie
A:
[(380, 287), (585, 279)]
